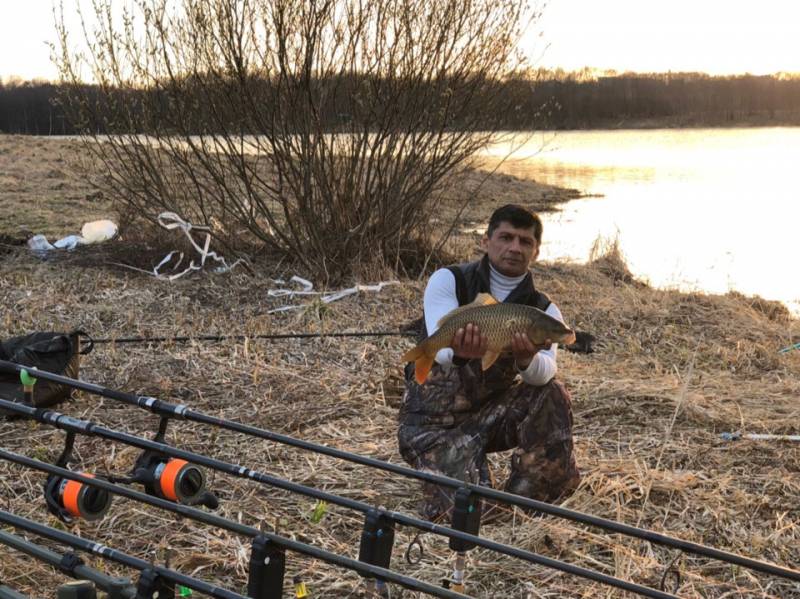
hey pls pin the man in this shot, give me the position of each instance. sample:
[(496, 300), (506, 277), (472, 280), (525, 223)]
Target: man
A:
[(461, 413)]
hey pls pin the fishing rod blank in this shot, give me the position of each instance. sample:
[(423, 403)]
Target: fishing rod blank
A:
[(183, 412), (245, 337), (365, 569), (69, 423), (114, 555), (71, 565), (7, 592)]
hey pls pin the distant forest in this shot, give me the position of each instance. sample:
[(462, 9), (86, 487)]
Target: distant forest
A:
[(560, 101)]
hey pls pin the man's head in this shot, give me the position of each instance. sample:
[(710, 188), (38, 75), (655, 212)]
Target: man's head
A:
[(512, 239)]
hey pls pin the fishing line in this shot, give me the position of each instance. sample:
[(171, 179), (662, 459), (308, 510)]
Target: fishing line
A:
[(183, 412), (88, 428)]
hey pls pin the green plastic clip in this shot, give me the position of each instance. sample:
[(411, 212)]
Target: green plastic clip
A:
[(184, 591), (26, 379)]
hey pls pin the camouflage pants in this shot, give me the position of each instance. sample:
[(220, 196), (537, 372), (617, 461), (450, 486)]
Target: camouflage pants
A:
[(450, 423)]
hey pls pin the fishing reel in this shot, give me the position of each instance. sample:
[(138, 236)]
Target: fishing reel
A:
[(70, 499), (171, 478)]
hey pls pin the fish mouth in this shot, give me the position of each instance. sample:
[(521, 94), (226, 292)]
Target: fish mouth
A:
[(570, 338)]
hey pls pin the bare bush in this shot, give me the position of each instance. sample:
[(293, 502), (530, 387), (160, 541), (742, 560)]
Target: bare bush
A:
[(323, 129)]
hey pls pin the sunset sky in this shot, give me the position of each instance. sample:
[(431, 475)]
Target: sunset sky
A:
[(714, 36)]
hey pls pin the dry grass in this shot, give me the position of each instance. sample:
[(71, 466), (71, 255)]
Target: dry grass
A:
[(672, 371)]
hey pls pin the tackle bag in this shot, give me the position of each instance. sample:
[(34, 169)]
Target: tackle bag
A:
[(58, 353)]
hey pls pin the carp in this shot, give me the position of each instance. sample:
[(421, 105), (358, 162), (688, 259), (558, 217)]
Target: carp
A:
[(498, 321)]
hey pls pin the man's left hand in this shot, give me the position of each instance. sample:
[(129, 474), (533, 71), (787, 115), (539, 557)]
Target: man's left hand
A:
[(524, 349)]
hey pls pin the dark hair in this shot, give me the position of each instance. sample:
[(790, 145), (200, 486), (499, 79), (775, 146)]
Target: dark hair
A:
[(518, 217)]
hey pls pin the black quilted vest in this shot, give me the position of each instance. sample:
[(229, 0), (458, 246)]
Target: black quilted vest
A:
[(472, 278)]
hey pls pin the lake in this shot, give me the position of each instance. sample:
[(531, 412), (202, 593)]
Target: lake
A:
[(693, 209)]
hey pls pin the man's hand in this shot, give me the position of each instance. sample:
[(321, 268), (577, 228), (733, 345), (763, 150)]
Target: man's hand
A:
[(468, 343), (524, 350)]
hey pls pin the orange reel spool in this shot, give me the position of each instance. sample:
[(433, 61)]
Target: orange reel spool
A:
[(179, 481), (82, 501)]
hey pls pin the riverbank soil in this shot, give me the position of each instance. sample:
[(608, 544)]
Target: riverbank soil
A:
[(670, 373)]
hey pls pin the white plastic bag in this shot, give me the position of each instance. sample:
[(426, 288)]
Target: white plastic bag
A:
[(98, 230), (39, 243)]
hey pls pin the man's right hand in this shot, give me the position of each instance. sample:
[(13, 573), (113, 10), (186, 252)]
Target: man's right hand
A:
[(468, 343)]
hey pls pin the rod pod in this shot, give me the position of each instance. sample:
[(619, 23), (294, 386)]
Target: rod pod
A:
[(153, 586), (76, 589), (267, 569), (69, 499), (377, 539), (467, 508)]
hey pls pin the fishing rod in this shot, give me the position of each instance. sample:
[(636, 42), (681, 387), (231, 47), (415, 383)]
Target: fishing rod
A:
[(71, 565), (183, 339), (382, 518), (758, 437), (263, 582), (183, 412), (153, 578), (7, 592)]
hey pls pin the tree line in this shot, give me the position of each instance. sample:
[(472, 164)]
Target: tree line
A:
[(542, 101)]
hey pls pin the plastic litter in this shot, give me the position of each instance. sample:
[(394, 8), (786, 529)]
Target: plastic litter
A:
[(98, 231), (39, 244), (326, 296), (95, 231), (70, 242), (171, 221)]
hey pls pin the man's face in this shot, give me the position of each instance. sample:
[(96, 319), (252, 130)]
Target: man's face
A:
[(511, 250)]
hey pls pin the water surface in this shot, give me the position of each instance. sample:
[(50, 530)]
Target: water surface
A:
[(694, 209)]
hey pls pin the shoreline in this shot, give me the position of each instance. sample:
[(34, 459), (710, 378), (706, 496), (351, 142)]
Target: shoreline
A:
[(42, 193)]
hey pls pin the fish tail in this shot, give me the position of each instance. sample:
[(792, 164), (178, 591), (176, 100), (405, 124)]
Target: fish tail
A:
[(422, 362)]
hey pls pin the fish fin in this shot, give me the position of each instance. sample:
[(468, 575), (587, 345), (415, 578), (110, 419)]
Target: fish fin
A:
[(422, 366), (489, 358), (482, 299), (422, 362), (414, 353)]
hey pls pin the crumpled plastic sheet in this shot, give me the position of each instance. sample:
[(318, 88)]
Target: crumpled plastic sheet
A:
[(171, 221)]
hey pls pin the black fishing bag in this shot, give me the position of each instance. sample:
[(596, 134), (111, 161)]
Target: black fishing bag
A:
[(58, 353)]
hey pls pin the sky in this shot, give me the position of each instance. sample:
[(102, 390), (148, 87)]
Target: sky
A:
[(719, 37), (712, 36)]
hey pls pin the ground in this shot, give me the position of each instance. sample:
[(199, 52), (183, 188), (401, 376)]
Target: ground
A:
[(671, 372)]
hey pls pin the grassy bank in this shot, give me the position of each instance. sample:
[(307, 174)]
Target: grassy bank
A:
[(671, 372)]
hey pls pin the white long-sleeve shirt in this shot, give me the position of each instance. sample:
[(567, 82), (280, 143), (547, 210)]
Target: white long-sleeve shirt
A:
[(440, 298)]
